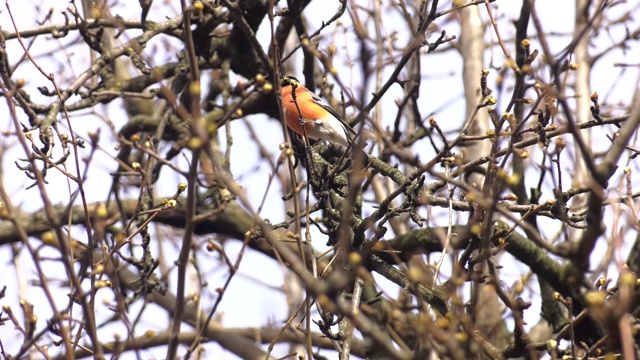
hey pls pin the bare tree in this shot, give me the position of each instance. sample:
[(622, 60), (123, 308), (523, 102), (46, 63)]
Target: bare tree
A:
[(492, 174)]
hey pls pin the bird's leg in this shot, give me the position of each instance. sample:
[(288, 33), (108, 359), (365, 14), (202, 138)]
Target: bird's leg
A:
[(305, 138), (304, 152), (308, 148), (309, 157)]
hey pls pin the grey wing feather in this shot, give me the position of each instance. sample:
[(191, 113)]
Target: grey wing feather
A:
[(334, 113)]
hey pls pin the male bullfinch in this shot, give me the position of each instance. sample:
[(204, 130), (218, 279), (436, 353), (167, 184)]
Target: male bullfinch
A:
[(320, 121)]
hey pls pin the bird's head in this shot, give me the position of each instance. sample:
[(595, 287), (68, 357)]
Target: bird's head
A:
[(289, 81)]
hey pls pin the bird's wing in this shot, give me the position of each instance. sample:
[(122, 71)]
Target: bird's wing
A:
[(326, 106)]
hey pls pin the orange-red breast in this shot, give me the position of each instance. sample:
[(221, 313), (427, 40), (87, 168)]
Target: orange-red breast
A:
[(320, 121)]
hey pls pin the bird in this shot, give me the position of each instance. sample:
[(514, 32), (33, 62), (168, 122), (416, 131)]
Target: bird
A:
[(306, 109)]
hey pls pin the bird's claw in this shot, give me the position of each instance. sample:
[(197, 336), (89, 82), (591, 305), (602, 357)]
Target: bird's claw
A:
[(309, 149)]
